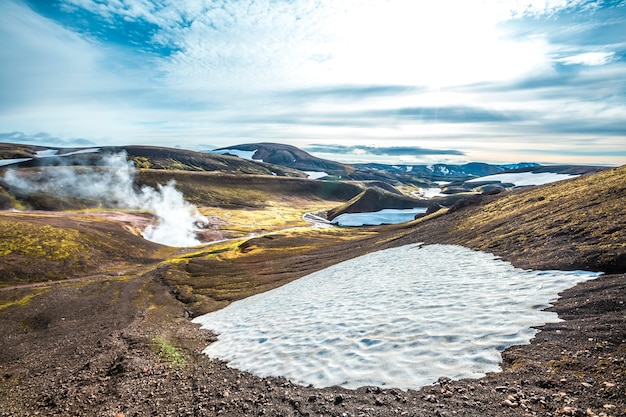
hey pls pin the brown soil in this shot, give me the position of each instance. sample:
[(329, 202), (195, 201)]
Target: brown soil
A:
[(95, 347)]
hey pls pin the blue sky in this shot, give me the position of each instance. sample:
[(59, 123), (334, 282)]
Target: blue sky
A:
[(378, 80)]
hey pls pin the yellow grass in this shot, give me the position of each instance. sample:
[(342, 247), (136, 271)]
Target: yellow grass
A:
[(276, 215), (45, 241)]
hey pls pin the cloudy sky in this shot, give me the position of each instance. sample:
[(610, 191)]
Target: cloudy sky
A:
[(402, 80)]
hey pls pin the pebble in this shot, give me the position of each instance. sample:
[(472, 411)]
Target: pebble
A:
[(509, 403)]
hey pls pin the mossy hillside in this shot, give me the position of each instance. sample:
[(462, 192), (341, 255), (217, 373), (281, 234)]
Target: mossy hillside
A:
[(56, 198), (18, 151), (7, 201), (185, 160), (52, 243), (37, 247), (589, 211)]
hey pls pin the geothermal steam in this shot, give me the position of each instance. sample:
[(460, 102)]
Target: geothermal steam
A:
[(111, 183)]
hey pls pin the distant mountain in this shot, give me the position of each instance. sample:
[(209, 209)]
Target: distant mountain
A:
[(438, 172), (144, 157), (419, 175), (271, 159), (288, 156)]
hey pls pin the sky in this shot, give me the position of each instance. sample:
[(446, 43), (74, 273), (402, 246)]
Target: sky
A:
[(395, 81)]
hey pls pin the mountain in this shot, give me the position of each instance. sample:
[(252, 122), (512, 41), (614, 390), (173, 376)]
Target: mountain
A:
[(414, 175), (289, 156), (437, 172)]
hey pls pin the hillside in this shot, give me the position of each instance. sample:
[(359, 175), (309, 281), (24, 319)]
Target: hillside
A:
[(40, 246), (144, 157), (374, 199), (240, 191), (573, 224), (181, 159)]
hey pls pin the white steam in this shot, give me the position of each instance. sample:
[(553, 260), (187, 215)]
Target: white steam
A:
[(111, 183)]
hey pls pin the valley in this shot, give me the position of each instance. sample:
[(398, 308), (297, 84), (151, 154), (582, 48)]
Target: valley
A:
[(95, 320)]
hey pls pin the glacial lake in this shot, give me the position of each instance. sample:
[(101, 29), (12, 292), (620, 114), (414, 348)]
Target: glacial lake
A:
[(375, 218), (401, 317)]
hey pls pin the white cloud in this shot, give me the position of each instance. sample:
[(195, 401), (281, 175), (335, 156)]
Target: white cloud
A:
[(588, 58), (368, 42), (261, 45), (237, 68)]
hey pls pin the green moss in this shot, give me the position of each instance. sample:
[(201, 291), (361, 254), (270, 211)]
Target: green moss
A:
[(142, 162), (45, 241), (168, 352), (23, 300)]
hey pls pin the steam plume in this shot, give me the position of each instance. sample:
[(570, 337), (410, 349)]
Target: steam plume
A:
[(111, 183)]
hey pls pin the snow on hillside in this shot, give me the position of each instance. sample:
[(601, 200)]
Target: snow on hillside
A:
[(48, 153), (315, 175), (239, 153), (525, 178)]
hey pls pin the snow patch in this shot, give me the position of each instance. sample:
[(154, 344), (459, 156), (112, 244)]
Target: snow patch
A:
[(47, 153), (91, 150), (239, 153), (399, 318), (426, 193), (315, 175), (4, 162), (525, 178)]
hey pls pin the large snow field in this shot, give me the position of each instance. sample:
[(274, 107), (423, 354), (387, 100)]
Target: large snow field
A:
[(399, 318)]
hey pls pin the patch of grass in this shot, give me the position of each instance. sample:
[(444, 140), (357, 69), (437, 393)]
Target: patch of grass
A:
[(142, 162), (274, 216), (168, 352), (22, 301)]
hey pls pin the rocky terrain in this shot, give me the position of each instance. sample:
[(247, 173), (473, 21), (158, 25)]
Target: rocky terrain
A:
[(95, 320)]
